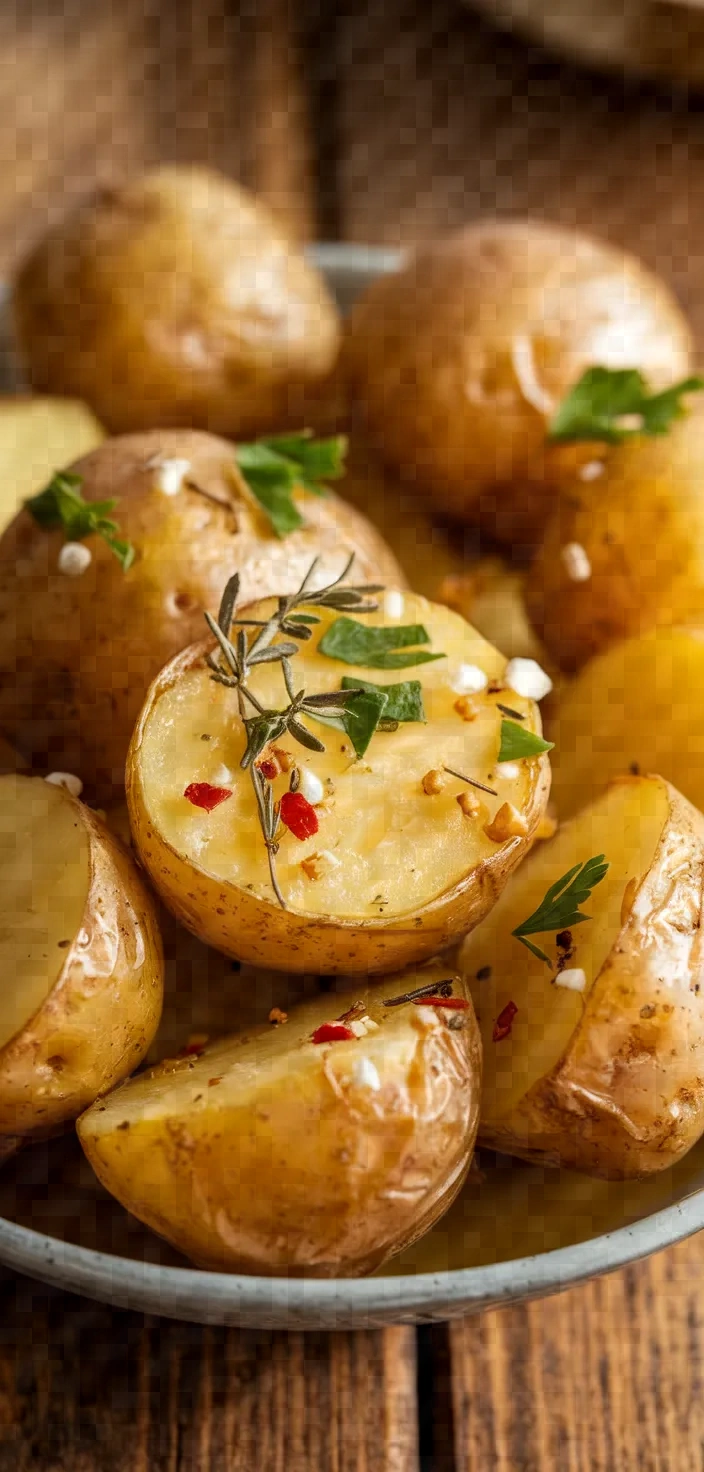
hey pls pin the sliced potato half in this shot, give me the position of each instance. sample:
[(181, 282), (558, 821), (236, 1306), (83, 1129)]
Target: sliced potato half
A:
[(609, 1078), (397, 867), (80, 957), (271, 1152)]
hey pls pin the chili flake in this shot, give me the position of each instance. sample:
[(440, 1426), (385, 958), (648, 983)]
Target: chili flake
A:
[(504, 1023), (204, 795), (298, 815), (332, 1032), (269, 768), (457, 1004)]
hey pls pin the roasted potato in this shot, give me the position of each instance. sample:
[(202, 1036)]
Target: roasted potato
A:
[(38, 435), (176, 300), (77, 653), (458, 360), (276, 1151), (602, 1066), (624, 551), (81, 959), (638, 707), (394, 868)]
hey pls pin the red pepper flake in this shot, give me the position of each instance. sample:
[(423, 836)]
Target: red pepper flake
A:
[(332, 1032), (504, 1023), (204, 795), (298, 815), (269, 768), (456, 1004)]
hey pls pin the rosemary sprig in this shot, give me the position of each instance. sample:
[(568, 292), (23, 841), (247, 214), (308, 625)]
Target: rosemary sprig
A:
[(235, 658)]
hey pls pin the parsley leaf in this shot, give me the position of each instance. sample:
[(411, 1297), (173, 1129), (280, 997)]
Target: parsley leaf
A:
[(559, 910), (404, 702), (375, 647), (61, 505), (360, 717), (275, 467), (516, 742), (612, 405)]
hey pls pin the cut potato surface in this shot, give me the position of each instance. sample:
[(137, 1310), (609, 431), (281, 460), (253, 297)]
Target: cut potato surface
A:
[(80, 954), (638, 707), (603, 1070), (37, 436), (395, 857), (270, 1152)]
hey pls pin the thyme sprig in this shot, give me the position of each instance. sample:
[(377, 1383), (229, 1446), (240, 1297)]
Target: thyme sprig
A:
[(235, 658)]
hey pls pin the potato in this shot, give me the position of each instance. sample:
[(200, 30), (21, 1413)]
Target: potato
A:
[(37, 436), (176, 300), (77, 653), (80, 955), (490, 595), (271, 1153), (624, 551), (458, 360), (611, 1079), (637, 707), (397, 869)]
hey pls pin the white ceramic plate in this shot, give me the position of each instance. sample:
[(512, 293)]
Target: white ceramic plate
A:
[(516, 1232)]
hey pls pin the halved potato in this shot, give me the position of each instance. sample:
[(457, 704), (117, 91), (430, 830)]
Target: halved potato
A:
[(37, 436), (80, 958), (638, 707), (269, 1152), (396, 869), (608, 1079)]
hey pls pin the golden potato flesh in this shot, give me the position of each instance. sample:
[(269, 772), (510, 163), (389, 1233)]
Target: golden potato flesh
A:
[(274, 1153), (459, 360), (397, 868), (77, 653), (624, 550), (637, 707), (608, 1078), (37, 435), (80, 957), (176, 300)]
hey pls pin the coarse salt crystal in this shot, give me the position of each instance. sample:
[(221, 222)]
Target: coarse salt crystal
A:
[(527, 678), (366, 1075), (362, 1025), (394, 604), (311, 786), (592, 470), (575, 979), (469, 679), (222, 776), (72, 783), (576, 562), (74, 558), (170, 474), (510, 770), (428, 1016)]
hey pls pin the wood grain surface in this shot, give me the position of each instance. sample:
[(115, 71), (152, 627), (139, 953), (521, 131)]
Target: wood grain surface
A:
[(384, 124)]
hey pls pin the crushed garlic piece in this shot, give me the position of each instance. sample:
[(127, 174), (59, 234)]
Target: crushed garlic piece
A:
[(311, 786), (74, 559), (277, 1016), (317, 865), (574, 980), (284, 758), (576, 562), (508, 823), (469, 804), (527, 678), (433, 782), (68, 780), (222, 776), (467, 708), (394, 604)]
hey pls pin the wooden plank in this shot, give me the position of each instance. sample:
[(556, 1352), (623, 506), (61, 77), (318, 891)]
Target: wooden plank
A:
[(607, 1376), (86, 1388)]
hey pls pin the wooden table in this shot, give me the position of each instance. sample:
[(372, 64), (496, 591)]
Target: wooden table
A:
[(398, 120)]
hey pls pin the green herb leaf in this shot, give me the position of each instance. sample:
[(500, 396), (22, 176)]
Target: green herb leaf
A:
[(362, 717), (61, 505), (559, 910), (274, 468), (516, 742), (604, 400), (404, 701), (374, 647)]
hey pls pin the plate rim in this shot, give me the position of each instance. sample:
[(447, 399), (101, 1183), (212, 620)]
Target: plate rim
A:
[(336, 1303)]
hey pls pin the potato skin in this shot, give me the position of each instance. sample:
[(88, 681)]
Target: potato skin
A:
[(98, 1021), (307, 1177), (176, 300), (77, 654), (641, 525), (458, 360), (627, 1096), (249, 928)]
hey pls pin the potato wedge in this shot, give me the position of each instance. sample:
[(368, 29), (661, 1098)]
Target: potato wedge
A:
[(637, 707), (271, 1153), (80, 955), (623, 552), (37, 436), (395, 868), (77, 653), (608, 1079)]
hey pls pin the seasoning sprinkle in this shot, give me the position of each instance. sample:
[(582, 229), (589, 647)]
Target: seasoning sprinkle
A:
[(471, 780), (504, 1023), (435, 989)]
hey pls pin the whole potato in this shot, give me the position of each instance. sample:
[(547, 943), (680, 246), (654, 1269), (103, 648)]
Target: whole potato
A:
[(78, 653), (623, 552), (458, 361), (176, 300)]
